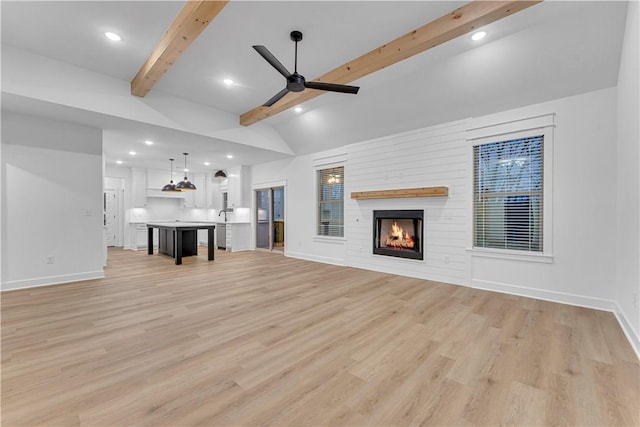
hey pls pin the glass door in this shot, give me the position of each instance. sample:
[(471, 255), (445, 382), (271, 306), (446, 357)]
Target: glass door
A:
[(278, 218), (263, 209), (270, 219)]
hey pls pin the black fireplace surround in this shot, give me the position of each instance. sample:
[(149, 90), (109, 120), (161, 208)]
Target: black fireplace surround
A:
[(398, 233)]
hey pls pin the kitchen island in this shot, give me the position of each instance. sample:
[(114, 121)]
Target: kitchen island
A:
[(178, 239)]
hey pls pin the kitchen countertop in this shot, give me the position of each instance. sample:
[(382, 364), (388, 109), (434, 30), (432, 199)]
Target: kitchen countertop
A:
[(180, 224), (194, 222)]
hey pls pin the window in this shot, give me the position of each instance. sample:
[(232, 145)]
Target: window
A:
[(508, 194), (331, 202)]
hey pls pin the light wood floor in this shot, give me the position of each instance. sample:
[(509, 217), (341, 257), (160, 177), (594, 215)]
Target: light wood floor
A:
[(255, 338)]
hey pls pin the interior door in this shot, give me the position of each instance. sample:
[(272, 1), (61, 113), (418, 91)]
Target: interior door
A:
[(263, 211), (278, 218), (110, 210)]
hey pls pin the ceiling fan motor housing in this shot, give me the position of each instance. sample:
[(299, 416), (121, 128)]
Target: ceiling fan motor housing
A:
[(295, 82)]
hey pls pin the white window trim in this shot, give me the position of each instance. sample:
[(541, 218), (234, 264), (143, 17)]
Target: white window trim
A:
[(524, 128), (320, 164), (329, 239)]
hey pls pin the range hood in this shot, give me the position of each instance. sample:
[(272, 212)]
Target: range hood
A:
[(156, 192)]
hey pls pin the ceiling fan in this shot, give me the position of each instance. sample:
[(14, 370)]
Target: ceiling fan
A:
[(295, 81)]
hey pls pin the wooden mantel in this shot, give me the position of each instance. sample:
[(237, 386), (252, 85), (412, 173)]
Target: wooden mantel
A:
[(405, 192)]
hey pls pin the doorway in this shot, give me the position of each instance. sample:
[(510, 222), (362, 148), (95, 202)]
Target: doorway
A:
[(270, 219), (113, 211), (110, 216)]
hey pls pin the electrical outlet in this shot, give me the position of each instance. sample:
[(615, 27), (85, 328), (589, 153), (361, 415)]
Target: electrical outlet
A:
[(446, 259), (635, 300), (51, 259)]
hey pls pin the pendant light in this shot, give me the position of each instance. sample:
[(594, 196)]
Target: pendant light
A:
[(185, 184), (171, 186), (220, 174)]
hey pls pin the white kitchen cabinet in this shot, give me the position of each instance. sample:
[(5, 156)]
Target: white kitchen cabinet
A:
[(142, 237), (138, 188), (203, 237), (238, 182), (238, 237), (200, 195), (196, 198), (213, 193), (189, 197)]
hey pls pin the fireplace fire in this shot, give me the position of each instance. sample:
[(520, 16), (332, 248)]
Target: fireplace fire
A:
[(398, 233)]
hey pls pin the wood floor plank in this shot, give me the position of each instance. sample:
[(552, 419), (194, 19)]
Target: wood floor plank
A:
[(255, 338)]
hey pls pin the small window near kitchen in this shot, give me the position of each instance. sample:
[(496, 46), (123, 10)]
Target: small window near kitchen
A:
[(508, 194), (331, 202)]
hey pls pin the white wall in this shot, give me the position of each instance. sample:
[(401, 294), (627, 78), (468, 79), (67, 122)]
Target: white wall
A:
[(51, 201), (628, 179), (584, 200), (436, 156), (117, 185), (300, 207), (583, 218)]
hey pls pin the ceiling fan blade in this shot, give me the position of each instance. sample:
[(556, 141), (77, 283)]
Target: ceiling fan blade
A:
[(332, 87), (276, 97), (264, 52)]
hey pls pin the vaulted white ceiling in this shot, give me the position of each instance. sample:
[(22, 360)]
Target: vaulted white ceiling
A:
[(551, 50)]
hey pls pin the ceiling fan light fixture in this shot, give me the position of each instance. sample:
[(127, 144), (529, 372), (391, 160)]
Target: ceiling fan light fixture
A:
[(185, 184), (171, 187)]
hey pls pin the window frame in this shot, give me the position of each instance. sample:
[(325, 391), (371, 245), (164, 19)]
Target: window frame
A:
[(317, 171), (546, 255)]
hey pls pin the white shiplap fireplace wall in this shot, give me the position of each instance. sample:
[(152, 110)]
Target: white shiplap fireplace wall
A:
[(436, 156), (582, 267)]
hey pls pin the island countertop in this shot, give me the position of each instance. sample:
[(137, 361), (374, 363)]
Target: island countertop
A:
[(179, 224)]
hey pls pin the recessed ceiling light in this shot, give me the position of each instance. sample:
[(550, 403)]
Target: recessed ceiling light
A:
[(207, 163), (148, 142), (119, 162), (229, 156), (228, 82), (298, 109), (112, 36), (478, 36), (133, 153)]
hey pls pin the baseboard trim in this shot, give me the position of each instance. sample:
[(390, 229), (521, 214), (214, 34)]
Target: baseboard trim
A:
[(632, 335), (51, 280), (570, 299), (553, 296), (317, 258)]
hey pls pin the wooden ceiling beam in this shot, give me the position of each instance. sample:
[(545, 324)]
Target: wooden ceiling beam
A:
[(185, 28), (461, 21)]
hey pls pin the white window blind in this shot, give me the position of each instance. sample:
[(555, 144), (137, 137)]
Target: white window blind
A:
[(508, 194), (331, 202)]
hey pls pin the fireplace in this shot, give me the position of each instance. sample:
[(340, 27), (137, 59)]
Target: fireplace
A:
[(398, 233)]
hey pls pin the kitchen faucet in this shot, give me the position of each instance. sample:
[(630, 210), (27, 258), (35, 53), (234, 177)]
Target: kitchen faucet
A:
[(225, 214)]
